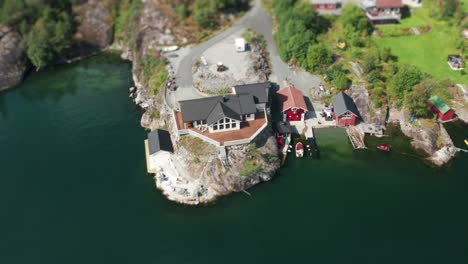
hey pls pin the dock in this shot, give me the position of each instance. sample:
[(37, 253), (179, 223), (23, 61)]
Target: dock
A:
[(148, 169), (356, 138)]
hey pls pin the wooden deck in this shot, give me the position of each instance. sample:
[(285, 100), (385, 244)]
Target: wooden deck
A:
[(356, 138), (148, 158), (248, 128), (179, 121)]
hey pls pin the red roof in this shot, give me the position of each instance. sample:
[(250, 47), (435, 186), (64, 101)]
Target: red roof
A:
[(290, 97), (388, 3)]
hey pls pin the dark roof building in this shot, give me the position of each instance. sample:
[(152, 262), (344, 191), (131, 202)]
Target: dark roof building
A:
[(342, 103), (283, 127), (346, 112), (159, 140), (258, 90), (212, 109)]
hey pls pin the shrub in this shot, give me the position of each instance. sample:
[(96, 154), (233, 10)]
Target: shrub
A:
[(181, 10), (251, 168), (341, 81), (319, 58)]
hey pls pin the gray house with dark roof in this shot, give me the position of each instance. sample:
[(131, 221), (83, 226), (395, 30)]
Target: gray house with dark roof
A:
[(345, 110), (260, 92), (218, 113)]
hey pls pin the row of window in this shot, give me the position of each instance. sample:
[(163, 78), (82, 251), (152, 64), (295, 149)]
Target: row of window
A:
[(224, 126)]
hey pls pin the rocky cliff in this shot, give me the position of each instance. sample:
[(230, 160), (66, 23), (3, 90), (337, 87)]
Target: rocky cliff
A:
[(94, 32), (13, 62), (428, 136)]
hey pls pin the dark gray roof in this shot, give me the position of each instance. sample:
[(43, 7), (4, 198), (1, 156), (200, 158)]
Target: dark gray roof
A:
[(283, 127), (258, 90), (343, 103), (221, 111), (214, 108), (159, 140)]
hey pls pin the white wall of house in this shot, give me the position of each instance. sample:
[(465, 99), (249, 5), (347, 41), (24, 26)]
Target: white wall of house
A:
[(225, 124), (250, 117)]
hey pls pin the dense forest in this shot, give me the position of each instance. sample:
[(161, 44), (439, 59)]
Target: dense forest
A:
[(46, 26)]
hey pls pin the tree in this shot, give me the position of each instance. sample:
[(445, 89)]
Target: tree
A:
[(354, 19), (48, 37), (385, 54), (319, 58), (204, 12), (417, 99), (341, 81), (370, 62), (403, 81)]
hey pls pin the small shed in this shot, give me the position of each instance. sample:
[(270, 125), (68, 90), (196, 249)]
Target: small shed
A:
[(439, 107), (240, 44), (292, 103), (159, 140), (345, 110)]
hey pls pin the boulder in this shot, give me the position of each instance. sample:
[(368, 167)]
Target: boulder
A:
[(13, 63)]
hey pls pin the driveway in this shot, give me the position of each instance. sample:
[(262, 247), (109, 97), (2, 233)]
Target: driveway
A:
[(259, 20)]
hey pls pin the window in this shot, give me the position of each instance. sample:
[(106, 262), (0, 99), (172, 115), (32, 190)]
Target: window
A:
[(234, 125), (228, 126), (221, 127), (215, 127)]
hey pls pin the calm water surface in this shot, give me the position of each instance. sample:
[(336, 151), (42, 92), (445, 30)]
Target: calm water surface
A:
[(73, 189)]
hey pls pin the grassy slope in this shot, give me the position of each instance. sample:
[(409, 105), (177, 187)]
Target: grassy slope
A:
[(429, 51)]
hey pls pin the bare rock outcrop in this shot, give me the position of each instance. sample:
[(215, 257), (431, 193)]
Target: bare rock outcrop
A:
[(368, 112), (432, 138), (13, 62), (94, 32)]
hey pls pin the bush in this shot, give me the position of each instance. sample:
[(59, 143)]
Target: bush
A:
[(154, 72), (341, 81), (181, 10), (204, 12), (250, 168), (403, 81), (319, 58)]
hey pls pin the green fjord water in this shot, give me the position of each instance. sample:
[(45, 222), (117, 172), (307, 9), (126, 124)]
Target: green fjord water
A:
[(73, 189)]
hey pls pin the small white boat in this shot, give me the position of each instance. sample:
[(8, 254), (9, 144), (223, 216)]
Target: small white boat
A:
[(299, 150)]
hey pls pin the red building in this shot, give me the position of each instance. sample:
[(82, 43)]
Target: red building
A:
[(326, 4), (292, 103), (439, 107), (345, 111)]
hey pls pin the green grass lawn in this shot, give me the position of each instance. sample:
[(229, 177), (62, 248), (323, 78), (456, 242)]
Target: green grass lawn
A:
[(428, 51)]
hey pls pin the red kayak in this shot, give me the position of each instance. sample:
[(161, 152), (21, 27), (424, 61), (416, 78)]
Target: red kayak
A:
[(383, 147)]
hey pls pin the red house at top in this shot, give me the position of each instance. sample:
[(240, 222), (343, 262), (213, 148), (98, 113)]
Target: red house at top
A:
[(292, 103), (326, 4), (345, 111), (439, 107)]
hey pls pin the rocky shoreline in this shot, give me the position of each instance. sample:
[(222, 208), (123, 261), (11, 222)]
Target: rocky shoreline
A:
[(198, 178)]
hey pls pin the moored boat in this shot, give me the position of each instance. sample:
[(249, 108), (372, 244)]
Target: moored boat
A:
[(383, 147), (466, 142), (299, 150)]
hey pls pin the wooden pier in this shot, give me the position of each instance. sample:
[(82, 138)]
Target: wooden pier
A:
[(152, 171), (356, 138)]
